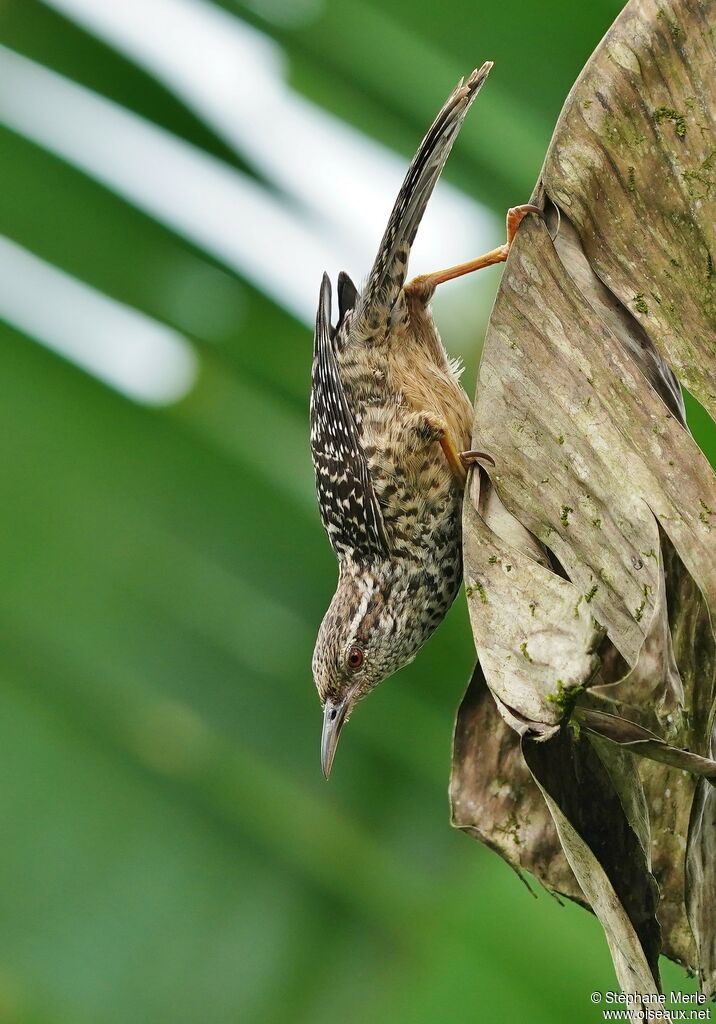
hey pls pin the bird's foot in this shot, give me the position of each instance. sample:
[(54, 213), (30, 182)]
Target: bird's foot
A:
[(429, 428), (424, 285), (473, 458), (515, 216)]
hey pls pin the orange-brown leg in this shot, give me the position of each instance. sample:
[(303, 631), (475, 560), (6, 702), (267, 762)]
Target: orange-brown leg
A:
[(429, 427), (453, 458), (427, 283)]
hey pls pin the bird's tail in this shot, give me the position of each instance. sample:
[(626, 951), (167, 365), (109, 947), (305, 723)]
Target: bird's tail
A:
[(390, 265)]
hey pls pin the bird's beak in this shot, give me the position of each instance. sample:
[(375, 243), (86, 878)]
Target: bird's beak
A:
[(334, 715)]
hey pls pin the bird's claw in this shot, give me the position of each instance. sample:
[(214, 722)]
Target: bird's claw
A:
[(471, 458), (422, 287), (516, 215)]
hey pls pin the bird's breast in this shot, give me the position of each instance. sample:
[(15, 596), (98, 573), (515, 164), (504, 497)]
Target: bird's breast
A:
[(392, 380)]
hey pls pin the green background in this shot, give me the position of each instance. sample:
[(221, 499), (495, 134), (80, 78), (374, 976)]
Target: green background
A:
[(169, 851)]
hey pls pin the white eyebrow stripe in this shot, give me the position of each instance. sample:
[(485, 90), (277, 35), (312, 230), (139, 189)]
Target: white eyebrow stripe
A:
[(368, 585)]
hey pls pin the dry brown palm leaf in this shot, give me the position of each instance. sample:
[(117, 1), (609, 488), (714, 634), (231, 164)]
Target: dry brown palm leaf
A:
[(583, 748)]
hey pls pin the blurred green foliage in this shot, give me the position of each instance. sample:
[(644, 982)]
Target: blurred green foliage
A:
[(169, 850)]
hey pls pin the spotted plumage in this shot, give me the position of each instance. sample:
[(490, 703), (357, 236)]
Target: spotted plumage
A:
[(384, 398), (349, 507)]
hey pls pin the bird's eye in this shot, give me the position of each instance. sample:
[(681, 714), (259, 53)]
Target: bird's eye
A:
[(355, 658)]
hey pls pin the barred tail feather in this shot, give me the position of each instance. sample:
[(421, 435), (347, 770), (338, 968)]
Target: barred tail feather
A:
[(389, 269)]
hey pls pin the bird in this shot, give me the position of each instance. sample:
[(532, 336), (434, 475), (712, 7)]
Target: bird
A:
[(390, 428)]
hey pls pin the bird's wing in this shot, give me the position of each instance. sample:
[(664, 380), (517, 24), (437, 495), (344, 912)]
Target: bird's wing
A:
[(388, 273), (349, 508)]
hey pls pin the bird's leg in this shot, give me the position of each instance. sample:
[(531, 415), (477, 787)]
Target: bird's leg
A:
[(425, 284), (453, 458), (427, 428)]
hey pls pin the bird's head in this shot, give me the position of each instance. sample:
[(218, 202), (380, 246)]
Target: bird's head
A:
[(362, 640)]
